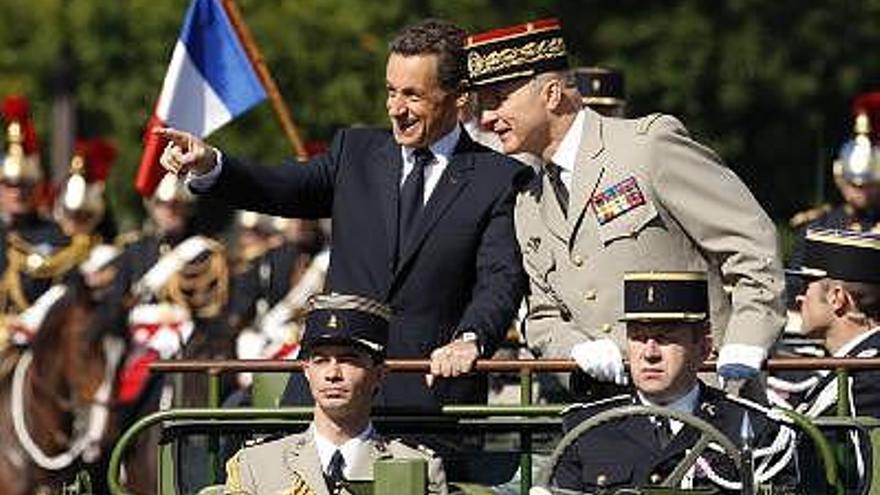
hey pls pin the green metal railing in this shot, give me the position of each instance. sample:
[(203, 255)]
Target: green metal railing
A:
[(526, 409)]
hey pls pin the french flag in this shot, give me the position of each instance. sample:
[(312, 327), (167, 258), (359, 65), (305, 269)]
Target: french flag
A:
[(209, 82)]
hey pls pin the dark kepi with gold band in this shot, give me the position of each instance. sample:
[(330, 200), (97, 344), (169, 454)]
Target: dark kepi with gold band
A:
[(514, 52), (600, 86), (665, 296), (841, 255), (346, 319)]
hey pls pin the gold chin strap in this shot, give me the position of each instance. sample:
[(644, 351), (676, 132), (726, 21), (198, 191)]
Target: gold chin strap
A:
[(203, 284)]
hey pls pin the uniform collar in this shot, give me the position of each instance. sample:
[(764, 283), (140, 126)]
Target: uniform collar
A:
[(687, 403), (354, 450), (854, 342)]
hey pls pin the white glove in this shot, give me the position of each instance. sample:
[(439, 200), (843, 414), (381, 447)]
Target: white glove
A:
[(601, 359)]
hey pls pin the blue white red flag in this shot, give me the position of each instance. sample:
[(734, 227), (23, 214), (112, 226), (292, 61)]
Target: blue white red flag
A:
[(209, 82)]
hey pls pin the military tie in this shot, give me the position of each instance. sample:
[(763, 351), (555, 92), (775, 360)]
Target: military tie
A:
[(663, 430), (334, 472), (412, 197), (554, 174)]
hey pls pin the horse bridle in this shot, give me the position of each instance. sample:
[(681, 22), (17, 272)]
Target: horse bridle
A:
[(87, 444)]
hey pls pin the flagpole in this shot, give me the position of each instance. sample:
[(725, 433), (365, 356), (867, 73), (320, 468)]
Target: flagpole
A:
[(256, 58)]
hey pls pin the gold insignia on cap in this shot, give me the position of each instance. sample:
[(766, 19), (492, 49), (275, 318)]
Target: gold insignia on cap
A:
[(650, 293), (597, 85), (332, 322)]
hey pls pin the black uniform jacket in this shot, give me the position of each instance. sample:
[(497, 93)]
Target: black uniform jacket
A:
[(627, 452), (461, 271)]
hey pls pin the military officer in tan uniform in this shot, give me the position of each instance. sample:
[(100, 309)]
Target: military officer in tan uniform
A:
[(344, 345), (620, 195)]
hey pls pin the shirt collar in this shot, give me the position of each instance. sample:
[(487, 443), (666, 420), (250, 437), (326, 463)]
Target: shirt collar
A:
[(441, 148), (352, 450), (687, 403), (566, 153), (854, 342)]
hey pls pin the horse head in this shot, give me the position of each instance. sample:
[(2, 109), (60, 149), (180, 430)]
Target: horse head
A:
[(60, 390)]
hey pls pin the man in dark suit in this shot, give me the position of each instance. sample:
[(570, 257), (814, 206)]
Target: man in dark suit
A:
[(422, 216), (667, 339)]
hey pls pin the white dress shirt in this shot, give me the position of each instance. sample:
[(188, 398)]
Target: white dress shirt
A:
[(566, 154), (442, 150), (355, 450)]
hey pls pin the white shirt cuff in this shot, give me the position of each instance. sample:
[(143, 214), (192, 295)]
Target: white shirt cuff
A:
[(199, 183), (749, 355)]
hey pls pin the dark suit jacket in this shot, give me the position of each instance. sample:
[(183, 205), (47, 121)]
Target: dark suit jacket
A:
[(460, 271), (626, 453)]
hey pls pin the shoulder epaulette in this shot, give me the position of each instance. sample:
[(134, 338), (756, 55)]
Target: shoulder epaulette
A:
[(126, 238), (622, 398), (804, 217), (644, 123), (253, 442), (423, 449)]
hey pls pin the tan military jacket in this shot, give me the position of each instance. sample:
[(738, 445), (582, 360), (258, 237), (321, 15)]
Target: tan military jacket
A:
[(291, 466), (644, 197)]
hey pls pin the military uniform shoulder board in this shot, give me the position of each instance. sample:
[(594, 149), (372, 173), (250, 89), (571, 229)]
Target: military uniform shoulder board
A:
[(804, 217), (399, 445), (617, 400), (126, 238), (644, 123), (253, 442)]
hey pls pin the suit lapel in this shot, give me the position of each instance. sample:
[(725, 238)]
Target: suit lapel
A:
[(454, 179), (301, 459), (588, 169), (390, 165)]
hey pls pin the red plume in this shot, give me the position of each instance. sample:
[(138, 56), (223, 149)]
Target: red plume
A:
[(16, 108), (99, 159)]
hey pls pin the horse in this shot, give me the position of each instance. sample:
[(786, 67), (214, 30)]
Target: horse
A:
[(55, 395)]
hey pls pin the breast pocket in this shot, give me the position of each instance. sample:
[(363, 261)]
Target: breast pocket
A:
[(629, 223)]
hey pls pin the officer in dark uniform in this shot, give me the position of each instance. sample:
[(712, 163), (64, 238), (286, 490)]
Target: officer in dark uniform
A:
[(667, 331), (602, 89), (34, 252), (840, 306)]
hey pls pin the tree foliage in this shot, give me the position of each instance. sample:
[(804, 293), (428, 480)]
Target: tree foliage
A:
[(768, 85)]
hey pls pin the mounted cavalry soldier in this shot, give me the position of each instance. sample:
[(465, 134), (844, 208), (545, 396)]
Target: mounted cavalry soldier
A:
[(176, 285), (344, 352), (856, 171), (34, 253)]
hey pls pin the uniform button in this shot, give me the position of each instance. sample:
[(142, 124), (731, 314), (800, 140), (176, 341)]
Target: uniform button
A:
[(602, 480), (577, 260), (590, 295), (656, 479), (606, 327)]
